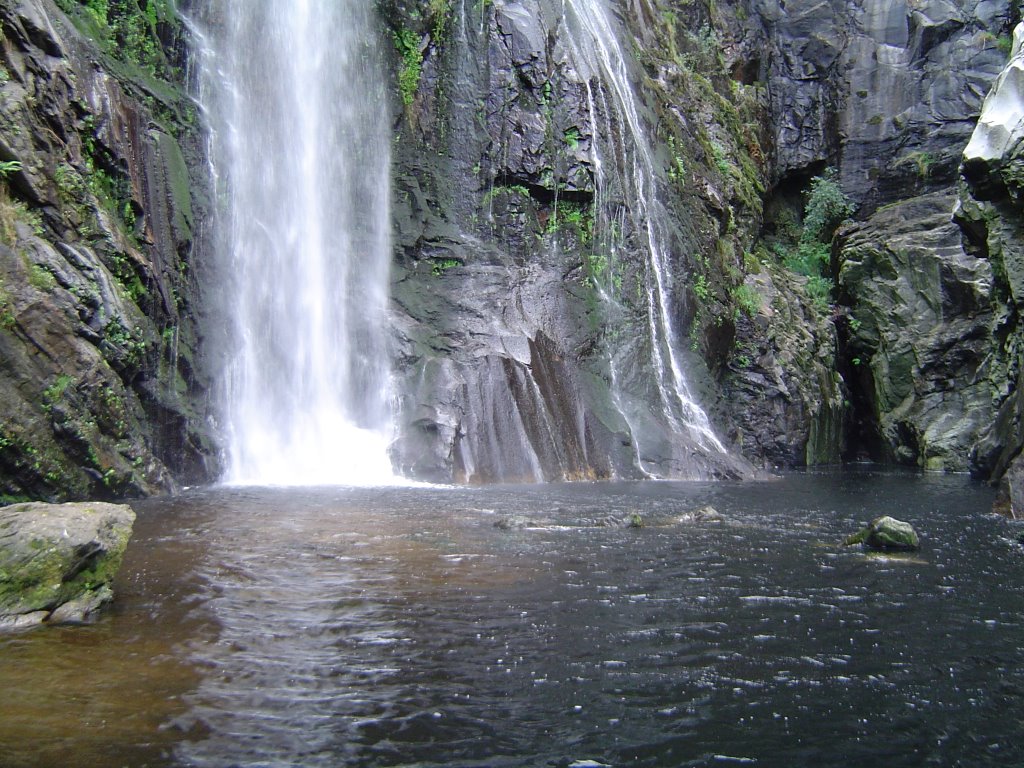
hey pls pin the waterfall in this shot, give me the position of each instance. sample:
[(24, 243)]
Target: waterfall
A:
[(294, 95), (623, 148)]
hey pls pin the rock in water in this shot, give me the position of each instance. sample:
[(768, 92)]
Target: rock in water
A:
[(706, 514), (57, 560), (887, 534)]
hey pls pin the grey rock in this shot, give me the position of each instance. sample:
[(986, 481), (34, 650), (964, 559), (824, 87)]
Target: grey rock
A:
[(990, 214), (1010, 497), (705, 514), (783, 386), (998, 134)]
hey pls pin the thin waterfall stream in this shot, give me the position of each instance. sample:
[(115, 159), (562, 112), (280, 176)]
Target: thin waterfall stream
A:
[(623, 145), (300, 151)]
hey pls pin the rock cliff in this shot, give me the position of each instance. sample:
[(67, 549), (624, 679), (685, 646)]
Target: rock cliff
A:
[(877, 356), (99, 209)]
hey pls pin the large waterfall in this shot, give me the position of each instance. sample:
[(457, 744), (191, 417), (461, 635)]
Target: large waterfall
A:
[(294, 94)]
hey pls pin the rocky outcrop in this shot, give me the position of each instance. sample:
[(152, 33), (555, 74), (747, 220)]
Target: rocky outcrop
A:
[(98, 293), (889, 94), (57, 561), (787, 394), (886, 90), (750, 102), (590, 212)]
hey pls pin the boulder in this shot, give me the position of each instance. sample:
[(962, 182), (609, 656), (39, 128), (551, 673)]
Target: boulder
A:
[(887, 534), (57, 560)]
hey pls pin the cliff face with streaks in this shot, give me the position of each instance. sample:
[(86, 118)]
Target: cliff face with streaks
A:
[(101, 202)]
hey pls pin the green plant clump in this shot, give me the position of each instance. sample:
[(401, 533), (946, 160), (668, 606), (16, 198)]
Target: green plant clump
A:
[(747, 299), (407, 43), (126, 29), (827, 206), (439, 266)]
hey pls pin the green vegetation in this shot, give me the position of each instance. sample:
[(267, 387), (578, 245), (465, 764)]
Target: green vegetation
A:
[(440, 12), (7, 318), (577, 218), (127, 30), (701, 289), (720, 157), (827, 206), (407, 43), (8, 208), (40, 278), (747, 299), (118, 337), (922, 162), (506, 189), (54, 393), (677, 168), (439, 266)]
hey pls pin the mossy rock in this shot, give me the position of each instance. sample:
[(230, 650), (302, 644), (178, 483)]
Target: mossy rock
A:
[(52, 555), (887, 534)]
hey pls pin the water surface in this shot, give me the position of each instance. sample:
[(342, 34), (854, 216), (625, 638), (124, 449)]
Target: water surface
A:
[(388, 627)]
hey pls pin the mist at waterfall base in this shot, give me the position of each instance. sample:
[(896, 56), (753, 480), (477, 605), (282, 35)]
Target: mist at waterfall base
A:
[(401, 627), (294, 97)]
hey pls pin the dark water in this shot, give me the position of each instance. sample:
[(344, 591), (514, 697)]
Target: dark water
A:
[(401, 627)]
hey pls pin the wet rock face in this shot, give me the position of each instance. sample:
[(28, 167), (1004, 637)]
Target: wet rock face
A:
[(100, 378), (918, 334), (990, 213), (783, 385), (887, 93), (887, 90), (57, 560), (504, 246)]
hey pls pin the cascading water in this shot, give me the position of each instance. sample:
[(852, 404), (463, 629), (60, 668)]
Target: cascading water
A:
[(623, 144), (294, 94)]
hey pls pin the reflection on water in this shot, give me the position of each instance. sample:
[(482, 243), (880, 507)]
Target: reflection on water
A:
[(402, 627)]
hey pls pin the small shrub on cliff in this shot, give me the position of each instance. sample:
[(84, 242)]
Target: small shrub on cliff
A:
[(826, 208), (827, 205), (8, 209)]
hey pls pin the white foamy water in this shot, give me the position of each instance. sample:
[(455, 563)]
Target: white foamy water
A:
[(294, 95)]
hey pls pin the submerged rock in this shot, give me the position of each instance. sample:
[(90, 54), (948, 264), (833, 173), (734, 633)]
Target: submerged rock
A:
[(887, 533), (705, 514), (57, 560), (514, 523)]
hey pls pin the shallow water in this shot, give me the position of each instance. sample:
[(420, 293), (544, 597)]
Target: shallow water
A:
[(386, 627)]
